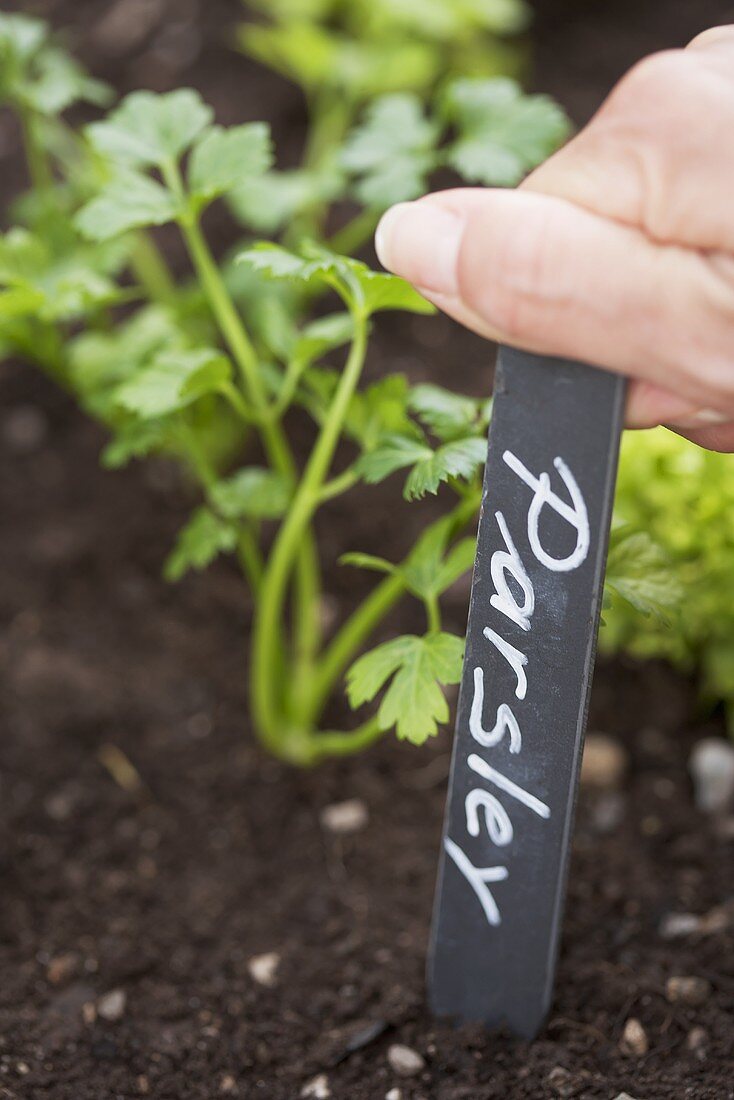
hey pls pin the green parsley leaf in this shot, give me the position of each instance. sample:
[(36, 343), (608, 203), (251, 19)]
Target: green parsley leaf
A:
[(380, 410), (268, 202), (502, 133), (460, 458), (416, 668), (36, 74), (429, 569), (360, 287), (448, 415), (174, 380), (204, 537), (134, 439), (252, 493), (130, 201), (148, 129), (392, 151), (222, 159), (322, 335), (368, 561)]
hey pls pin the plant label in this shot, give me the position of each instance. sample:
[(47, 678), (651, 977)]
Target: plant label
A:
[(530, 644)]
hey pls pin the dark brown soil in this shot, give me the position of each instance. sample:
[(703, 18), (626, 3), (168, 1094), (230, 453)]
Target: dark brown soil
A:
[(209, 853)]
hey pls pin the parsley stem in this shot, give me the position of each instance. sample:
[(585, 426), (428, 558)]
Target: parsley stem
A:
[(352, 236), (269, 613), (151, 270), (358, 627), (39, 168), (433, 615), (250, 558), (344, 743), (271, 431)]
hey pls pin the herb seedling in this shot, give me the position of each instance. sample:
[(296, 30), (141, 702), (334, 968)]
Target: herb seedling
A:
[(208, 368)]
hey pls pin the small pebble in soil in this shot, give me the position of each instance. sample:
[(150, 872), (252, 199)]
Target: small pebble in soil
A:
[(61, 968), (604, 761), (264, 968), (228, 1085), (634, 1042), (344, 817), (562, 1082), (675, 926), (696, 1040), (624, 1096), (24, 429), (678, 925), (111, 1006), (712, 768), (394, 1094), (405, 1061), (318, 1088), (687, 990)]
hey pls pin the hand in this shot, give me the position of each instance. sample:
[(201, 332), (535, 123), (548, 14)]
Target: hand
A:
[(618, 251)]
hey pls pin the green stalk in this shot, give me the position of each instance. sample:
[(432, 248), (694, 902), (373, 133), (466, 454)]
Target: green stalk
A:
[(339, 484), (250, 559), (330, 114), (151, 270), (285, 549), (350, 238), (39, 168), (339, 743), (368, 615), (352, 634), (433, 615), (271, 431)]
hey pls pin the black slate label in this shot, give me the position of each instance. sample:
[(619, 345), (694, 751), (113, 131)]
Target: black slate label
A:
[(531, 638)]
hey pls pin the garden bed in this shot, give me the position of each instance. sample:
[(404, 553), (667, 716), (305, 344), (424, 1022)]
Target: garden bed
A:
[(161, 869)]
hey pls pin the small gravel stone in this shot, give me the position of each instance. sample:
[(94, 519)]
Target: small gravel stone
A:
[(712, 768), (563, 1082), (344, 817), (61, 968), (318, 1088), (405, 1061), (624, 1096), (634, 1039), (687, 990), (604, 761), (675, 926), (697, 1038), (111, 1006), (678, 925), (394, 1094), (264, 968), (228, 1085)]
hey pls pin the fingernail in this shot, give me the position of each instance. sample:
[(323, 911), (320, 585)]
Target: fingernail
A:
[(420, 241)]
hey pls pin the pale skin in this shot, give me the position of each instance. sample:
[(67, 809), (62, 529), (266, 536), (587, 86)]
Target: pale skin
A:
[(618, 251)]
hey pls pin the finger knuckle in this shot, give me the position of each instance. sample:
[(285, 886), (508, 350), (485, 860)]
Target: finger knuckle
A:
[(703, 337), (714, 36), (652, 79)]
